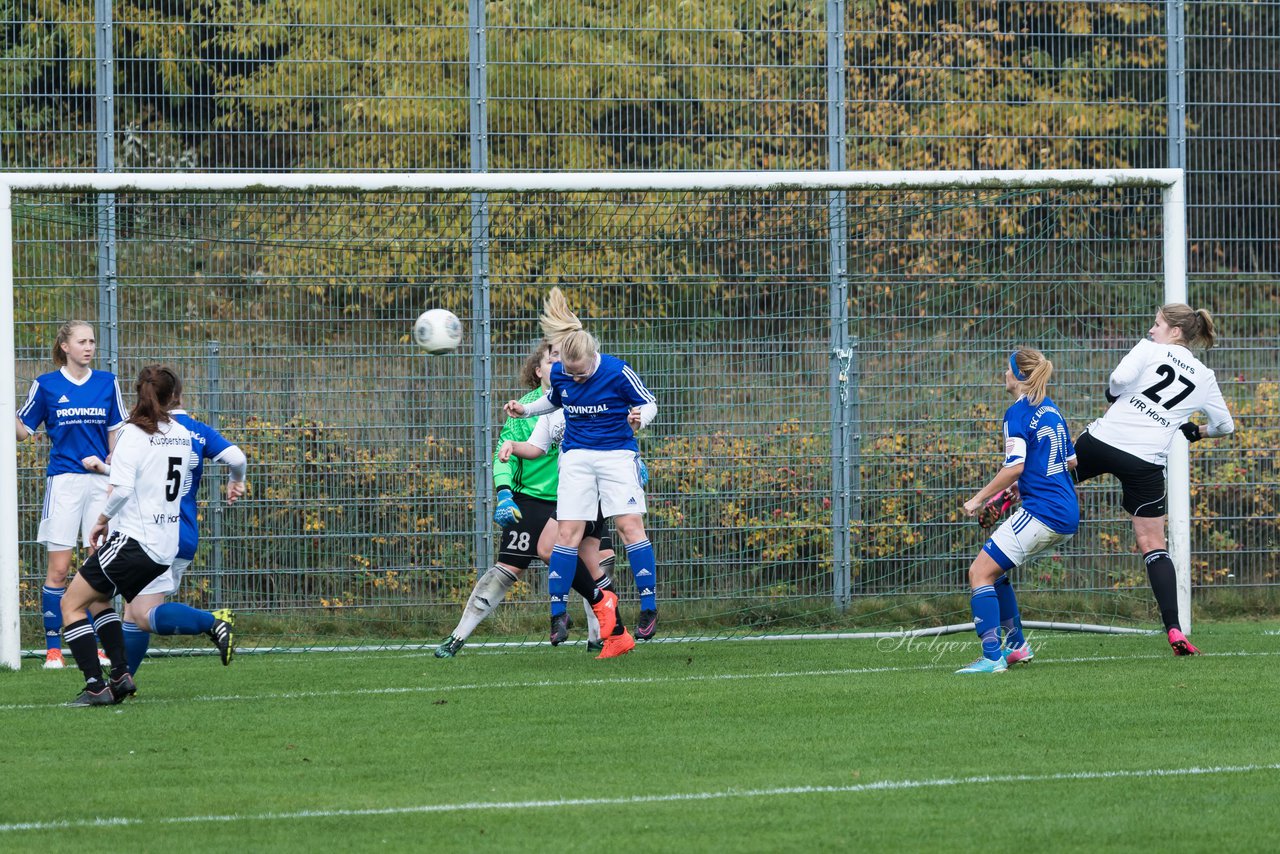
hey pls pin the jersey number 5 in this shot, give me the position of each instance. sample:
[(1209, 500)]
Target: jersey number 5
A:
[(173, 480), (1169, 375)]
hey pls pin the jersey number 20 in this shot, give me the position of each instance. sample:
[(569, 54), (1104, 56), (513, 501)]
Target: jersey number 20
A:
[(1056, 434)]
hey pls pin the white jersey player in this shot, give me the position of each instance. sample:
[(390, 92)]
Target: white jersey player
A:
[(149, 612), (1154, 392), (150, 472)]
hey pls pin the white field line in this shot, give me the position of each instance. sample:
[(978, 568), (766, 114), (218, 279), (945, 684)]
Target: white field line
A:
[(614, 680), (901, 635), (474, 806)]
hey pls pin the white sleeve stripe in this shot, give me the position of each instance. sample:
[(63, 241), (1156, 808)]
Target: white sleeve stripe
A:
[(638, 385), (31, 399)]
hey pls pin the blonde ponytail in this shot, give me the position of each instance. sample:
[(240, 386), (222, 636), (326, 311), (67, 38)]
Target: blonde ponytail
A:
[(1035, 370), (563, 329)]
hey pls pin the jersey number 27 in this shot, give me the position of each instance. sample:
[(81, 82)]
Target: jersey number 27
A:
[(1169, 375)]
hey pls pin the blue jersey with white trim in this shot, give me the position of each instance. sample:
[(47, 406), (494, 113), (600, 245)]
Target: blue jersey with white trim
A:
[(596, 409), (1037, 436), (206, 444), (77, 416)]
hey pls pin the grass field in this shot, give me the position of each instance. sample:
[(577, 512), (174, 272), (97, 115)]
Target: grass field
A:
[(1101, 743)]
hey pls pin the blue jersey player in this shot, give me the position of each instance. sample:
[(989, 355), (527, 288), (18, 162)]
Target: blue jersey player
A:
[(604, 403), (82, 413), (1038, 459), (149, 613)]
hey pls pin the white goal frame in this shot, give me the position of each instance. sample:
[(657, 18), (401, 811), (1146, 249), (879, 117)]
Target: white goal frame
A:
[(1170, 181)]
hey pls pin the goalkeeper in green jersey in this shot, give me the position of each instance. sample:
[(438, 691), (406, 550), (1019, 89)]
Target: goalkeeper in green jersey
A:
[(526, 504)]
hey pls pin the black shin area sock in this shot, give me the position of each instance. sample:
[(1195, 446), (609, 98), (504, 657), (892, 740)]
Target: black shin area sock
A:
[(1164, 584), (584, 584)]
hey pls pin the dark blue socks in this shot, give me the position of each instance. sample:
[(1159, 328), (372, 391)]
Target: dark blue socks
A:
[(986, 620), (644, 566)]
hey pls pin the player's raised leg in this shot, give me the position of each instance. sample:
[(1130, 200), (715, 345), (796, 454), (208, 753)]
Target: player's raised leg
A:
[(490, 590)]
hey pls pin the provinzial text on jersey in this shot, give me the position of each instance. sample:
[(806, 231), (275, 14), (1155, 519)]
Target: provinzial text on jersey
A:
[(594, 409), (73, 411)]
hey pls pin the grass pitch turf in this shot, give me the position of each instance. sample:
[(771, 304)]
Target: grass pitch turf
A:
[(1102, 742)]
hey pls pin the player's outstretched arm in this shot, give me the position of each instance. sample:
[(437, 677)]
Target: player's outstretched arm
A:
[(523, 450), (1006, 478)]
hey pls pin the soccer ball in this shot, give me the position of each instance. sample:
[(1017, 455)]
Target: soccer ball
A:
[(438, 330)]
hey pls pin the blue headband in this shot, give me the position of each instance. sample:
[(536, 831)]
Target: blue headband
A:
[(1013, 366)]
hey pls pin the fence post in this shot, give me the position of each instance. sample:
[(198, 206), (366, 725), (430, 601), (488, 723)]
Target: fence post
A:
[(481, 320), (1178, 465), (1176, 82), (105, 132), (841, 354), (212, 413)]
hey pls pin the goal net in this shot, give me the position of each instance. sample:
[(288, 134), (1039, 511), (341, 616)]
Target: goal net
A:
[(826, 349)]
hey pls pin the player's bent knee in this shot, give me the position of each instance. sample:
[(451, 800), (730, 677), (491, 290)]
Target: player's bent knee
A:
[(59, 567), (630, 528), (570, 533), (983, 571), (139, 610), (73, 609)]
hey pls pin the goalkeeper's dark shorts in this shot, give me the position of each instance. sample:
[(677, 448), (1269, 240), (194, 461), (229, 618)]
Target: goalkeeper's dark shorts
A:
[(520, 540), (1142, 482)]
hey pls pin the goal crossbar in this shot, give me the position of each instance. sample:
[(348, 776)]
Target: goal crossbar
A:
[(1170, 182)]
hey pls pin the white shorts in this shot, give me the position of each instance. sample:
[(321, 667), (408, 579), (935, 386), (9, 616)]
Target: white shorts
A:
[(72, 503), (1020, 538), (595, 482), (166, 583)]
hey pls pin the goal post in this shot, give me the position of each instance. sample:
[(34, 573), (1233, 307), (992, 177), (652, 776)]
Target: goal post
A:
[(10, 639), (683, 240)]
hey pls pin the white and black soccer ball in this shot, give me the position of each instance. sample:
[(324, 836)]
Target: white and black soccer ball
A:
[(438, 330)]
